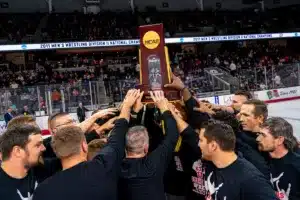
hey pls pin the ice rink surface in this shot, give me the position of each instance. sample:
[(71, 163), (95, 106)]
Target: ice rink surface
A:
[(289, 110)]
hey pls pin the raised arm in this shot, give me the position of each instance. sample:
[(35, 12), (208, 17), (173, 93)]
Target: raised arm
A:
[(113, 152), (88, 123), (161, 156)]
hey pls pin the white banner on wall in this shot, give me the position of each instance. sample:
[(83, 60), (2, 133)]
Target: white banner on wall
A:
[(281, 93)]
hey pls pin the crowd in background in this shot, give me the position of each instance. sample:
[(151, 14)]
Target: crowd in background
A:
[(252, 65), (123, 25)]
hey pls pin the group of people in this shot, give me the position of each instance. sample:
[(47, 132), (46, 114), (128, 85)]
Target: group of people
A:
[(188, 150)]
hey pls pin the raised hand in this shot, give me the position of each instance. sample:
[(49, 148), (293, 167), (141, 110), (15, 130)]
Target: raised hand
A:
[(176, 83), (138, 104), (159, 100), (130, 98), (175, 112), (109, 124), (106, 112)]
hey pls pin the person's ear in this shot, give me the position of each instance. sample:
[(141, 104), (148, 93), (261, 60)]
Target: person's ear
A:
[(146, 149), (280, 140), (260, 119), (17, 151), (54, 131), (213, 146), (84, 147)]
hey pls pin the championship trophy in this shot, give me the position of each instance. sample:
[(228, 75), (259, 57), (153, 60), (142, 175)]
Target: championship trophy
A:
[(155, 69)]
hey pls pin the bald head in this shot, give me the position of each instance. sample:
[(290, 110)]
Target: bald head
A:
[(59, 120)]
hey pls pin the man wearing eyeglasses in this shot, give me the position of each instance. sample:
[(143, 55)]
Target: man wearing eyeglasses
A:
[(59, 120)]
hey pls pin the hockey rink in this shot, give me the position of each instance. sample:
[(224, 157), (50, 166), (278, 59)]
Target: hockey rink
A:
[(289, 110)]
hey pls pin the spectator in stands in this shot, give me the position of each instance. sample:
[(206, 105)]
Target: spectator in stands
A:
[(81, 112), (277, 80), (9, 115), (26, 111), (232, 68)]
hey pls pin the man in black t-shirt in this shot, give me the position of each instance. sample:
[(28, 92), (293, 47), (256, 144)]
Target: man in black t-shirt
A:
[(142, 173), (82, 179), (217, 144), (227, 175), (252, 114), (20, 171), (276, 137)]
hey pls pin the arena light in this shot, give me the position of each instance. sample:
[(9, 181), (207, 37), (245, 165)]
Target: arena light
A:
[(135, 42)]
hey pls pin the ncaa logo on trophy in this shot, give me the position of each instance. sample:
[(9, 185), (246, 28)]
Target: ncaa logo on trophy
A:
[(151, 40), (155, 69)]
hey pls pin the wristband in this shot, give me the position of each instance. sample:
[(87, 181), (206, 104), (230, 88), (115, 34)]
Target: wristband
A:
[(183, 89)]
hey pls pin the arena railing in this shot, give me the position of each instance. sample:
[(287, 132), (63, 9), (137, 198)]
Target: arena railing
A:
[(46, 99), (262, 78)]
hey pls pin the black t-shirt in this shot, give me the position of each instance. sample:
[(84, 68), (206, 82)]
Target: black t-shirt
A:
[(191, 159), (193, 165), (238, 181), (285, 176), (246, 145), (176, 179), (95, 179), (142, 178), (22, 189)]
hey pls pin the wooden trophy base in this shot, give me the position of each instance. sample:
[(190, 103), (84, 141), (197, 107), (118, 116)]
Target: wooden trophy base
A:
[(170, 94)]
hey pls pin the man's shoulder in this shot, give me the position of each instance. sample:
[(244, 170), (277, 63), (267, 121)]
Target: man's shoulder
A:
[(45, 190), (247, 169)]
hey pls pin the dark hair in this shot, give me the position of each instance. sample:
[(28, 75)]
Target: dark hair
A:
[(16, 136), (227, 118), (260, 108), (280, 127), (21, 119), (246, 94), (221, 133)]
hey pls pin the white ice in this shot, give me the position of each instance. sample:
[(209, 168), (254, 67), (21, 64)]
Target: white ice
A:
[(288, 110)]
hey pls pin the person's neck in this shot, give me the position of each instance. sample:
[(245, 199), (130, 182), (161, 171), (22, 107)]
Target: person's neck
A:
[(255, 130), (134, 155), (224, 159), (279, 152), (72, 161), (14, 169)]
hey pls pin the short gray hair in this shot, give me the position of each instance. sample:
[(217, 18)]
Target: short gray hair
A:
[(280, 127), (136, 139)]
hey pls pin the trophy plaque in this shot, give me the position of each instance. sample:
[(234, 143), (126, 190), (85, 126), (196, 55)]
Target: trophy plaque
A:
[(155, 69)]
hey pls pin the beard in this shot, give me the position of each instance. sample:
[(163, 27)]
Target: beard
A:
[(266, 149), (29, 163)]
